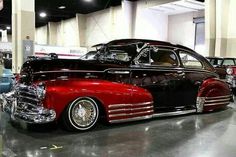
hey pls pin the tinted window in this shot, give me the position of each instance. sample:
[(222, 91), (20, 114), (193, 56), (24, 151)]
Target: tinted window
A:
[(215, 61), (155, 56), (163, 57), (190, 61), (228, 62)]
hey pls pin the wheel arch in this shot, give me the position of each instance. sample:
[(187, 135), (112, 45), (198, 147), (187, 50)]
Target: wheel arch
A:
[(212, 95)]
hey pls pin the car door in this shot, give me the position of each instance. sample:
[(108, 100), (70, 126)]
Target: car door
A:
[(196, 72), (157, 69)]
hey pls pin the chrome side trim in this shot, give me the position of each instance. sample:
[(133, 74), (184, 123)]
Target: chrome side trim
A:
[(153, 116), (130, 119), (130, 114), (220, 103), (130, 109), (68, 71), (217, 100), (176, 113), (129, 105), (218, 97)]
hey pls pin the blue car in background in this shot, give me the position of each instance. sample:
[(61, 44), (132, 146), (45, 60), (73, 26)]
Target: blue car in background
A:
[(6, 81)]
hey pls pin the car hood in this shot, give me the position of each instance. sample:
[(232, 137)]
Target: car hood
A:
[(66, 64)]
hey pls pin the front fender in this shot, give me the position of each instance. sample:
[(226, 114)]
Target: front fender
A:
[(60, 93)]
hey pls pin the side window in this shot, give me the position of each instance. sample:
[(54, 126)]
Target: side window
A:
[(160, 57), (228, 62), (163, 57), (190, 61)]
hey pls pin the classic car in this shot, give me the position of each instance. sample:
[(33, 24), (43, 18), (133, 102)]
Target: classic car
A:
[(221, 64), (128, 80)]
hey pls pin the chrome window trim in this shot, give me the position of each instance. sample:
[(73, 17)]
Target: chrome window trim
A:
[(182, 51), (159, 48)]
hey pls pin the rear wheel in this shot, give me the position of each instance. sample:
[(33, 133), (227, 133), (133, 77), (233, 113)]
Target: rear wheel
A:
[(82, 114)]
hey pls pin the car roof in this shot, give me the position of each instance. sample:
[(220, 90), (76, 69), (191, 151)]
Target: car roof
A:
[(221, 57), (123, 42)]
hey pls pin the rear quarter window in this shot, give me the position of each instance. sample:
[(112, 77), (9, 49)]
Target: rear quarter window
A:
[(190, 61)]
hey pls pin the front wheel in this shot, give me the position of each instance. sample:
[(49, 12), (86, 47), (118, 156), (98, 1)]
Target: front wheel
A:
[(82, 114)]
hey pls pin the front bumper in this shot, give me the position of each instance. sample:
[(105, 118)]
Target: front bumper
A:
[(18, 109)]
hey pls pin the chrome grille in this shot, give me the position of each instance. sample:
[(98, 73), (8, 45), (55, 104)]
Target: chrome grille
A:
[(27, 98)]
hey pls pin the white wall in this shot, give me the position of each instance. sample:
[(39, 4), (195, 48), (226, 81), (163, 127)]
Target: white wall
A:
[(41, 35), (69, 33), (181, 29), (150, 24), (108, 24), (97, 27), (103, 26)]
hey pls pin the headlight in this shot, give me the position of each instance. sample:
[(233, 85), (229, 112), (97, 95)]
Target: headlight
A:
[(229, 71), (41, 91)]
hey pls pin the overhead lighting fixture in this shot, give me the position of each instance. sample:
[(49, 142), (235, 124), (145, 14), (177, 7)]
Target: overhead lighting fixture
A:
[(88, 0), (43, 14), (62, 7), (8, 28)]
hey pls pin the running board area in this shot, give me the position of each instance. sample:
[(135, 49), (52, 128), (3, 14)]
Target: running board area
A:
[(175, 113)]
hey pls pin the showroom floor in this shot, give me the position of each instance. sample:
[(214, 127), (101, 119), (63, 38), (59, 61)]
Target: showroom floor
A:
[(203, 135)]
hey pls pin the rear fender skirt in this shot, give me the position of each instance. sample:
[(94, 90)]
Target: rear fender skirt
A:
[(213, 94)]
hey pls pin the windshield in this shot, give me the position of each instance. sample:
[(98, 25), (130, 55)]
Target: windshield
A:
[(215, 61), (123, 53)]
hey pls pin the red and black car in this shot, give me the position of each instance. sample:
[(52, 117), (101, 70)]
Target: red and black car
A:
[(126, 80)]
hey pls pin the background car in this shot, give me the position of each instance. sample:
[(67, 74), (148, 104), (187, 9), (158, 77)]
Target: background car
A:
[(6, 81), (231, 78), (221, 64)]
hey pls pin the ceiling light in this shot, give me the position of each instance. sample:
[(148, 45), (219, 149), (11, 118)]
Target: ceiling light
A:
[(88, 0), (42, 14), (8, 27), (62, 7)]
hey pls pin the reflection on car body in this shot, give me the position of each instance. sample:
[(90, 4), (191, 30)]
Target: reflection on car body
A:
[(128, 80)]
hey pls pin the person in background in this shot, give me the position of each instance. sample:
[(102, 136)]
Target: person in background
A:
[(1, 5)]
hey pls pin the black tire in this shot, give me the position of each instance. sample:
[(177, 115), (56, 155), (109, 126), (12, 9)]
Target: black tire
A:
[(75, 114)]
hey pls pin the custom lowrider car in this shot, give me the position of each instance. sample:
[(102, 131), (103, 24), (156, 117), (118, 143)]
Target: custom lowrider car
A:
[(221, 64), (127, 80)]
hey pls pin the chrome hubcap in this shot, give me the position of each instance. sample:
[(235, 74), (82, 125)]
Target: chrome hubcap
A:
[(84, 113)]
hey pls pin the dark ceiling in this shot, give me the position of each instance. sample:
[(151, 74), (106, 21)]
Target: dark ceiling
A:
[(55, 14)]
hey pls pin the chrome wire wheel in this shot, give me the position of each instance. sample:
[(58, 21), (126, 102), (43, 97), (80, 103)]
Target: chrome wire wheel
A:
[(83, 113)]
